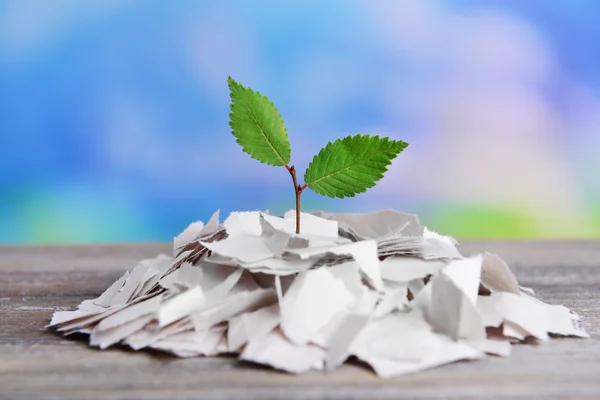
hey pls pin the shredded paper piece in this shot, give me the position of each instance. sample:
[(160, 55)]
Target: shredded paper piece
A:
[(377, 286)]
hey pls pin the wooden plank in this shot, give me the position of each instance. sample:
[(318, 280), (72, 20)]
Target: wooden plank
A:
[(35, 364)]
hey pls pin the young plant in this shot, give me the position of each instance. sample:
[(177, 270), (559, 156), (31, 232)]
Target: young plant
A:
[(342, 168)]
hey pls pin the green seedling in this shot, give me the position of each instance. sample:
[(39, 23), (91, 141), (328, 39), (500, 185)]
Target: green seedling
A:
[(342, 168)]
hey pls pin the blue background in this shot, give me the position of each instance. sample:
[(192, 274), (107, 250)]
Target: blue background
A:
[(113, 114)]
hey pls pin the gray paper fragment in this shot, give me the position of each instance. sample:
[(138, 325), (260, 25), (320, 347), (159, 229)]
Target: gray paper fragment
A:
[(190, 234), (106, 298), (131, 284), (405, 269), (308, 301), (496, 347), (213, 224), (377, 224), (130, 313), (233, 306), (252, 325), (496, 276), (347, 330), (528, 315), (104, 338), (277, 351), (312, 300), (189, 275), (180, 306)]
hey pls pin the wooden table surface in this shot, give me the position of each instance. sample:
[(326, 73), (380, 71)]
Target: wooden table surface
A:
[(35, 364)]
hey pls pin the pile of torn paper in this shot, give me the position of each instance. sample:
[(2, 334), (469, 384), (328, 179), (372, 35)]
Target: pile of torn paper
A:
[(378, 286)]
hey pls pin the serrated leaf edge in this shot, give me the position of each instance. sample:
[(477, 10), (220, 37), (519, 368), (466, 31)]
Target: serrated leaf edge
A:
[(400, 142), (350, 166), (230, 80)]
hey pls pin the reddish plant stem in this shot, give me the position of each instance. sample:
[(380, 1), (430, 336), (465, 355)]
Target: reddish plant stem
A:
[(298, 190)]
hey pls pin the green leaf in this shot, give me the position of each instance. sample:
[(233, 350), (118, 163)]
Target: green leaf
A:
[(351, 165), (257, 125)]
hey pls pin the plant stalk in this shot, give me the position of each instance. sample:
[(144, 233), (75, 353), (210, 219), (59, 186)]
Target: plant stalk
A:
[(298, 190)]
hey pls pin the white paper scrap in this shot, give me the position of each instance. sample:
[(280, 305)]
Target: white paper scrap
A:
[(523, 312), (218, 292), (432, 248), (347, 328), (190, 234), (278, 266), (109, 294), (104, 338), (313, 225), (252, 325), (403, 337), (246, 249), (496, 276), (253, 288), (466, 275), (561, 320), (190, 344), (276, 240), (405, 269), (377, 224), (446, 239), (497, 347), (394, 297), (280, 224), (62, 317), (243, 223), (453, 311), (213, 224), (130, 313), (180, 306), (189, 275), (349, 274), (449, 351), (364, 254), (234, 305), (514, 331), (490, 316), (312, 300), (152, 333), (85, 322), (156, 268), (277, 351), (131, 284)]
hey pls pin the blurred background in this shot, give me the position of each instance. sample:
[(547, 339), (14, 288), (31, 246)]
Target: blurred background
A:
[(113, 113)]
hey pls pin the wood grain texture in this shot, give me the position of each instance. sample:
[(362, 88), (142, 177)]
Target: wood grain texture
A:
[(38, 364)]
